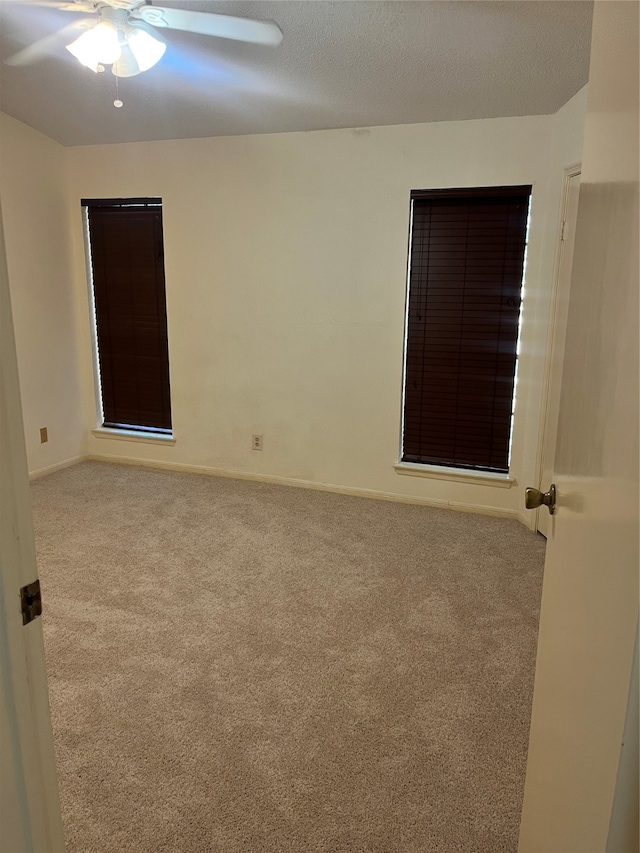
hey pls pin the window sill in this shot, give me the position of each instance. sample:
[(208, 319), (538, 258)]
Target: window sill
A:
[(437, 472), (133, 435)]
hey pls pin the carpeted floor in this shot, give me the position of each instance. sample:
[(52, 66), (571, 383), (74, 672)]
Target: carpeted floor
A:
[(236, 666)]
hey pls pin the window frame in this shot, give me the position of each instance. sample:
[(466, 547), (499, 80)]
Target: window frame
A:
[(147, 435), (451, 472)]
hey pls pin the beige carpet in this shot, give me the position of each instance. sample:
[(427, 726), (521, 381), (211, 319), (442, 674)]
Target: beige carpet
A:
[(236, 666)]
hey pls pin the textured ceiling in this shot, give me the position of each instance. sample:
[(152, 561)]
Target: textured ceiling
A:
[(351, 63)]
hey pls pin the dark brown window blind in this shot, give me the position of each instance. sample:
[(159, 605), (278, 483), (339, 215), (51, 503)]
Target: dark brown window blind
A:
[(465, 281), (131, 319)]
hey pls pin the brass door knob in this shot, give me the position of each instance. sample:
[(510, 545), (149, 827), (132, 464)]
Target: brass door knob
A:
[(534, 498)]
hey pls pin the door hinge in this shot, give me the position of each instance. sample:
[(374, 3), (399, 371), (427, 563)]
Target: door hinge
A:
[(562, 231), (30, 601)]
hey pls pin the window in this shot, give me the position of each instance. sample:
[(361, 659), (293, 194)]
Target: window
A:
[(126, 248), (466, 261)]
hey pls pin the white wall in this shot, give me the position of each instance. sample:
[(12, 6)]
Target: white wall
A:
[(286, 274), (34, 193)]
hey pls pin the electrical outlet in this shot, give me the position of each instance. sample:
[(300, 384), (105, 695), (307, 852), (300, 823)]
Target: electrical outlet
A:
[(256, 442), (43, 435)]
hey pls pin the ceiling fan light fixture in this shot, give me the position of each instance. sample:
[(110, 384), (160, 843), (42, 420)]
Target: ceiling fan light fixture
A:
[(146, 48), (126, 66), (98, 46)]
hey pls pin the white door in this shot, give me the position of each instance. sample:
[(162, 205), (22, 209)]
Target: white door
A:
[(29, 808), (590, 592), (557, 334)]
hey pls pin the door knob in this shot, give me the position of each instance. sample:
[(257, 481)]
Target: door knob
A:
[(534, 498)]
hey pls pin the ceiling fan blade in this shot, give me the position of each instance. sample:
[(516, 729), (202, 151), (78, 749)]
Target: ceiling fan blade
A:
[(44, 47), (211, 24), (43, 3), (60, 5)]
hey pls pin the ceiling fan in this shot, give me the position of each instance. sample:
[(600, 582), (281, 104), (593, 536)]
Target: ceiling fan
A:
[(124, 33)]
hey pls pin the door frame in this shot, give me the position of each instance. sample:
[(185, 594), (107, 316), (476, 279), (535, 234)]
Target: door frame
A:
[(553, 330)]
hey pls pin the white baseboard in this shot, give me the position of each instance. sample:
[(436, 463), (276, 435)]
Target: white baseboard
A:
[(528, 518), (58, 466), (498, 512), (480, 509)]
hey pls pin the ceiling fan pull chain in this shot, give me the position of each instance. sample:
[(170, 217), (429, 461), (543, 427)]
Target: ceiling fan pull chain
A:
[(117, 103)]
